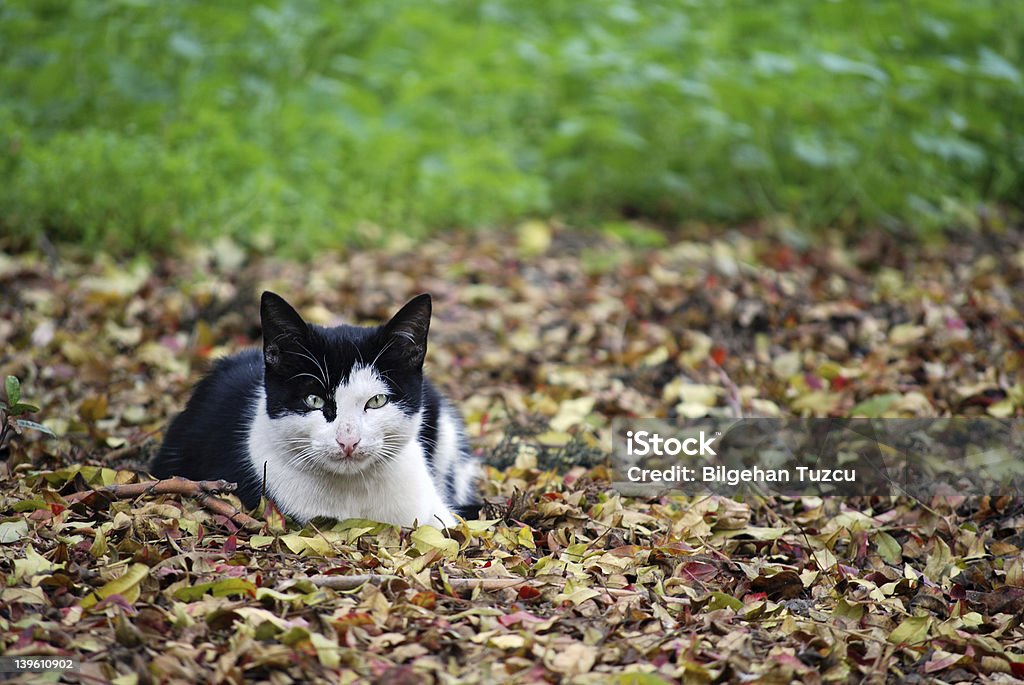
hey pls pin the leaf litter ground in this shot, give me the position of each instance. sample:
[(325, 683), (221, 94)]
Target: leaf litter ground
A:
[(542, 338)]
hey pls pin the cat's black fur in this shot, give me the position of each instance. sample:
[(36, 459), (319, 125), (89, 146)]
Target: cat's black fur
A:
[(206, 441)]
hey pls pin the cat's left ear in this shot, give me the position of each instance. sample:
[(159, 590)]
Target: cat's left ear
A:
[(406, 333)]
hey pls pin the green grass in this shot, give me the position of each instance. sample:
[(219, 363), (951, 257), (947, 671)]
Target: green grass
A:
[(135, 124)]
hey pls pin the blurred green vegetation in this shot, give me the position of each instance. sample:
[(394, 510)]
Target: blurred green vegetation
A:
[(132, 124)]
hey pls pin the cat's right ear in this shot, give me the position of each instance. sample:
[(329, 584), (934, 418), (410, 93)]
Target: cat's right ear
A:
[(281, 324)]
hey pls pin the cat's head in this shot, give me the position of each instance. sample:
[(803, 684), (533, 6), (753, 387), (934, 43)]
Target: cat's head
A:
[(348, 398)]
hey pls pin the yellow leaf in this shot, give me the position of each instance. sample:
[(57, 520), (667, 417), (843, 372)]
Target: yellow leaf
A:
[(659, 355), (574, 659), (476, 526), (912, 631), (296, 543), (691, 410), (577, 594), (1015, 573), (554, 438), (888, 548), (818, 403), (34, 563), (906, 334), (571, 413), (219, 588), (722, 600), (317, 545), (534, 238), (12, 531), (525, 537), (426, 538), (320, 546), (787, 365), (1002, 409), (681, 389), (507, 641), (99, 545), (258, 541), (326, 650), (23, 595), (126, 585), (698, 348)]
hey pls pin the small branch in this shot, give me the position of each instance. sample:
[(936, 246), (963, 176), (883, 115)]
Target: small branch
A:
[(202, 490), (486, 583), (219, 506), (168, 486), (732, 396), (351, 582), (354, 581)]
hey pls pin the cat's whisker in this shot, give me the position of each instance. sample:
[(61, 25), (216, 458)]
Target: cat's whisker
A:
[(389, 343), (313, 376), (323, 378), (305, 459), (323, 369)]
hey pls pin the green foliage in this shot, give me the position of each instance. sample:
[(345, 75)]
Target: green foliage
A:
[(13, 407), (131, 124)]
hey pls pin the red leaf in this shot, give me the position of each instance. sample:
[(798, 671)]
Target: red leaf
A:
[(354, 618), (518, 617), (427, 599), (527, 593), (696, 570), (719, 355), (839, 382)]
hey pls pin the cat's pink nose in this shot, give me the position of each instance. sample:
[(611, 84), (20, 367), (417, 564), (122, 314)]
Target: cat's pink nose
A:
[(348, 446)]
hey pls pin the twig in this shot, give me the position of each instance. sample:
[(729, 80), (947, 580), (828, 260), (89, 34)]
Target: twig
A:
[(354, 581), (202, 490), (351, 582), (732, 396), (485, 583), (167, 486)]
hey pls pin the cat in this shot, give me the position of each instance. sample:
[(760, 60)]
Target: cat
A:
[(340, 420)]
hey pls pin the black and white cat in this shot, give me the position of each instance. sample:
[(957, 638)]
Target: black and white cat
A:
[(341, 421)]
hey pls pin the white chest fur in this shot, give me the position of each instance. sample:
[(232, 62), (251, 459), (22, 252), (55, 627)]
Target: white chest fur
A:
[(398, 491)]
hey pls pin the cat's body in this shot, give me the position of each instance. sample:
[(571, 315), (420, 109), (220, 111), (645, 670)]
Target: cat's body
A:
[(333, 422)]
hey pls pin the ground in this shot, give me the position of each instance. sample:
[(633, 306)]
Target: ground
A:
[(542, 336)]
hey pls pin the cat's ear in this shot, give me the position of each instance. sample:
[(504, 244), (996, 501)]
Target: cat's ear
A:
[(281, 324), (406, 333)]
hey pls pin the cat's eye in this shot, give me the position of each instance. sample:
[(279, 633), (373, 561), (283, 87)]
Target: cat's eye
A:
[(314, 401), (377, 401)]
